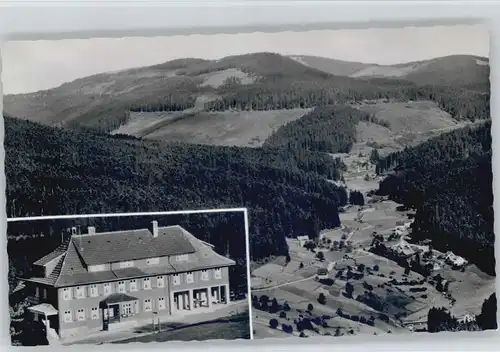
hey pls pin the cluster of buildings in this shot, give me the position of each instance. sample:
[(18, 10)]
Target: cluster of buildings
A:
[(99, 281)]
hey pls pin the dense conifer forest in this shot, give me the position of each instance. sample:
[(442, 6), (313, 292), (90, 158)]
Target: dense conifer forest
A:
[(448, 179), (330, 129), (54, 171)]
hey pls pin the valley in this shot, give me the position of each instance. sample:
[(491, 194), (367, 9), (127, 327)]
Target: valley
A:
[(383, 297)]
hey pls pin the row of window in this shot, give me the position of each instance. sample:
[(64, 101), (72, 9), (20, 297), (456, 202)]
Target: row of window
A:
[(131, 263), (121, 286), (127, 309)]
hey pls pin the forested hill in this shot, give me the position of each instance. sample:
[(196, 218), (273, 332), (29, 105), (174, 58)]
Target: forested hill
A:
[(448, 179), (257, 81), (51, 171)]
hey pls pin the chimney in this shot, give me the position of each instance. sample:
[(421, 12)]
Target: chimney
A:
[(154, 228), (91, 230)]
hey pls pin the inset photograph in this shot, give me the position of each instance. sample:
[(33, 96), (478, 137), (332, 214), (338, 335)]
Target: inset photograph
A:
[(120, 279)]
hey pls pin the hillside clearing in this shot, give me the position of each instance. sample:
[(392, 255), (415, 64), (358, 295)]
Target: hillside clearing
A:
[(217, 79), (228, 128)]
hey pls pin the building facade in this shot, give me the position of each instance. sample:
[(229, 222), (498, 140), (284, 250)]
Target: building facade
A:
[(100, 281)]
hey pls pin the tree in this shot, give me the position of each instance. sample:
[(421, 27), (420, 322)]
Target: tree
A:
[(273, 323), (301, 265), (376, 267), (322, 298), (439, 319), (286, 307), (32, 333), (283, 315), (374, 156), (361, 268), (356, 198), (310, 307), (349, 289), (309, 245), (274, 306), (287, 258), (320, 256), (407, 270), (487, 319)]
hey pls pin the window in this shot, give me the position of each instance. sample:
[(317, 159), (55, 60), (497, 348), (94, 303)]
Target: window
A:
[(107, 289), (204, 275), (45, 293), (161, 303), (121, 287), (128, 264), (95, 313), (66, 294), (218, 273), (94, 291), (153, 261), (81, 314), (127, 309), (37, 291), (147, 305), (133, 285), (100, 267), (80, 291), (68, 317), (160, 281), (181, 258), (176, 279), (146, 283), (189, 278)]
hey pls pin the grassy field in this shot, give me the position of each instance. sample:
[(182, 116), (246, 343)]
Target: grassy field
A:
[(230, 128), (230, 328)]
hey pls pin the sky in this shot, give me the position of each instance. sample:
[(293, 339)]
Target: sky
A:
[(29, 66)]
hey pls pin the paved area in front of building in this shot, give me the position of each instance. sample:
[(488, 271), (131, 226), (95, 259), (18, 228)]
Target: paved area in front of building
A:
[(100, 337)]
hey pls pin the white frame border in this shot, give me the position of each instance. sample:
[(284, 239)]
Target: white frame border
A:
[(166, 213)]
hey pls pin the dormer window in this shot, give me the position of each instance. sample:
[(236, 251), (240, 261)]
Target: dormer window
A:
[(96, 268), (204, 275), (153, 261), (189, 278), (128, 264), (181, 258)]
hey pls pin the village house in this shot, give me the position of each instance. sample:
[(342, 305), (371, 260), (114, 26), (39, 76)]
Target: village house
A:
[(302, 240), (322, 273), (101, 281)]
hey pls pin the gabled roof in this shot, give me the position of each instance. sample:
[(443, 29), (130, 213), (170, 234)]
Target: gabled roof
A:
[(120, 246), (58, 252), (71, 270)]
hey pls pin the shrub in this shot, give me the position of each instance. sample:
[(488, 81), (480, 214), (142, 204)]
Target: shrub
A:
[(283, 315), (273, 323), (321, 298), (310, 307)]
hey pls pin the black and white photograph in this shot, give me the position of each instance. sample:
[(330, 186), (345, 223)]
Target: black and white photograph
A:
[(121, 279), (363, 157)]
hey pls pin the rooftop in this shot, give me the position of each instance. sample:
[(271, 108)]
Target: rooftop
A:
[(74, 256)]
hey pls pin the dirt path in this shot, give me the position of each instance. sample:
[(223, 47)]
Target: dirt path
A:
[(284, 284)]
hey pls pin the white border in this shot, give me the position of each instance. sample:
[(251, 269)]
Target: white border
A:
[(165, 213)]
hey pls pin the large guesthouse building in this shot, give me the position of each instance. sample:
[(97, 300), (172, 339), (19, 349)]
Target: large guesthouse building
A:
[(99, 281)]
